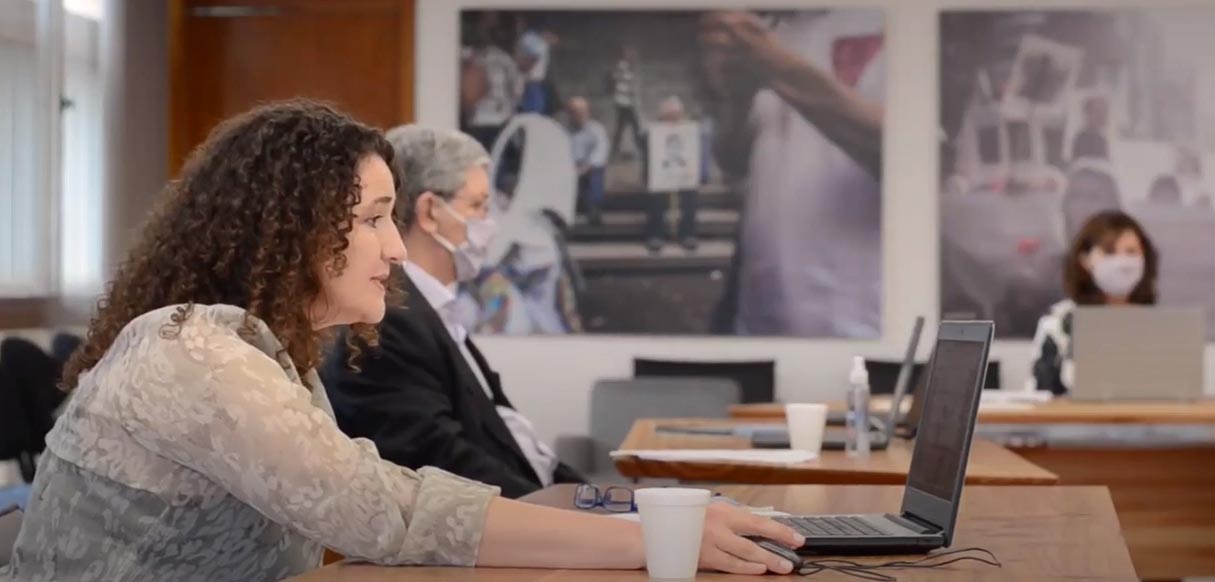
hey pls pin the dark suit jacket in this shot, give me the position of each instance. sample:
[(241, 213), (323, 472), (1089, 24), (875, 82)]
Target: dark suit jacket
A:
[(419, 401)]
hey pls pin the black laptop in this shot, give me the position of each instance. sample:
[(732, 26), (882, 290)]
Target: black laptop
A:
[(938, 462)]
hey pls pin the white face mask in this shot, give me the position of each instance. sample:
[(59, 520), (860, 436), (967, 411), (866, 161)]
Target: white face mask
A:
[(470, 256), (1117, 275)]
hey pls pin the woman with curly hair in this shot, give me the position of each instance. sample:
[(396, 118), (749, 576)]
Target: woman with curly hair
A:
[(197, 442)]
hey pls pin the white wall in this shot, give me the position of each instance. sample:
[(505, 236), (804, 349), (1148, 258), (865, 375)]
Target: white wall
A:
[(549, 378), (135, 69)]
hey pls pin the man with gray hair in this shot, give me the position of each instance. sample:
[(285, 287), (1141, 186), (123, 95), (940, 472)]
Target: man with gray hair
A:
[(589, 144), (426, 395)]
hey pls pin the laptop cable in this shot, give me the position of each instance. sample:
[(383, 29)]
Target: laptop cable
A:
[(810, 567)]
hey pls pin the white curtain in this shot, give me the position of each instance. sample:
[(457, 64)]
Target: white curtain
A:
[(23, 249), (50, 230), (81, 217)]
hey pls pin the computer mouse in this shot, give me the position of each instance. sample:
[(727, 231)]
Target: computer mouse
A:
[(778, 549)]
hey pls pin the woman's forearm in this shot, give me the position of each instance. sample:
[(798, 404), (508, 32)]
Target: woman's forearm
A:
[(523, 535)]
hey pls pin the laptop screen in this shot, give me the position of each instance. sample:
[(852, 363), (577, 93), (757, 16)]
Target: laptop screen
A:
[(944, 425)]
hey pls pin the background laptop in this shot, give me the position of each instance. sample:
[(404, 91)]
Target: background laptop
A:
[(1138, 352), (834, 436), (902, 385), (938, 462)]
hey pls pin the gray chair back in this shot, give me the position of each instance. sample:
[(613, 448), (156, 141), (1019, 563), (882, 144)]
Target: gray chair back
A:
[(615, 404), (756, 379)]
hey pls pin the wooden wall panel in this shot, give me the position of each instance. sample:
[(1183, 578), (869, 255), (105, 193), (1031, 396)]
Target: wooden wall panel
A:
[(227, 56)]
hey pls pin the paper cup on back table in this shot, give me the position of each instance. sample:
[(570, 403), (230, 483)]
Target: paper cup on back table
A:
[(672, 522), (806, 425)]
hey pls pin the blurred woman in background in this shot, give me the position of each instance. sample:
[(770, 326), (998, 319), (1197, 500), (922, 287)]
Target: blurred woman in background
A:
[(1112, 262)]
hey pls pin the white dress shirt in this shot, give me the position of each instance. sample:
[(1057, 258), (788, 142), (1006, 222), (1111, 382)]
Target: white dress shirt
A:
[(442, 298), (590, 144)]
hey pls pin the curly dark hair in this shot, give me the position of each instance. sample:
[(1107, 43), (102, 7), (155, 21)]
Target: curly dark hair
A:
[(263, 204)]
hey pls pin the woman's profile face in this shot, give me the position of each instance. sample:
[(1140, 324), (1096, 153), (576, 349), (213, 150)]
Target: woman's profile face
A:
[(356, 295)]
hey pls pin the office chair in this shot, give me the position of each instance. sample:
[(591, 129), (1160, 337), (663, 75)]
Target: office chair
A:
[(35, 374), (16, 442), (616, 404), (756, 379), (883, 374), (62, 346)]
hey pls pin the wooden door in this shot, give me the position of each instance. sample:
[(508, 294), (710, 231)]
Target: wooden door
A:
[(226, 56)]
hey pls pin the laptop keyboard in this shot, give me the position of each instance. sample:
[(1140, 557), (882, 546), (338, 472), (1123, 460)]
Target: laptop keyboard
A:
[(835, 526)]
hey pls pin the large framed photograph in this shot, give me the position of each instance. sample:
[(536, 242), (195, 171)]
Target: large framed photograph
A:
[(1052, 116), (679, 171)]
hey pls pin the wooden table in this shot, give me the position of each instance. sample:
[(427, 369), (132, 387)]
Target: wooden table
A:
[(1056, 411), (1164, 492), (1165, 500), (990, 464), (1038, 533)]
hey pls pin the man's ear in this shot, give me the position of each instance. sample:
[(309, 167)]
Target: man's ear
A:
[(423, 211)]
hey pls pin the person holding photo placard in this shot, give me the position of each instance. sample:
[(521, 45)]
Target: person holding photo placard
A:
[(671, 111)]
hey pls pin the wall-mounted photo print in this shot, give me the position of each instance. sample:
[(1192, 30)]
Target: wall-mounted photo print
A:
[(679, 172), (1055, 120)]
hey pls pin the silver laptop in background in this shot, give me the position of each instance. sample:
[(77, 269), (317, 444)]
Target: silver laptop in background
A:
[(1138, 353)]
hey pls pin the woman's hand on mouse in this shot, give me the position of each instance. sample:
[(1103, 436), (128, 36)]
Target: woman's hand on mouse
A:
[(723, 547)]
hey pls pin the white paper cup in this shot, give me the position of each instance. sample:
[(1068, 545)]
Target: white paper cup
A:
[(806, 425), (672, 522)]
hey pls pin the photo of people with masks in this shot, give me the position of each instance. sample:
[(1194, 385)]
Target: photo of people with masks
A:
[(1053, 119), (678, 172)]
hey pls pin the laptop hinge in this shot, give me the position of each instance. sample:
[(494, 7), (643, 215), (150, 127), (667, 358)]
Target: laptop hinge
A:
[(928, 525)]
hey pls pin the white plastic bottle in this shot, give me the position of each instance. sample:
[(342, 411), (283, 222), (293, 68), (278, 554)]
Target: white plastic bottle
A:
[(857, 444)]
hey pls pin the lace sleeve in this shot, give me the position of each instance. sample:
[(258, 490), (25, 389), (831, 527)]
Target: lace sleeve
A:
[(218, 405)]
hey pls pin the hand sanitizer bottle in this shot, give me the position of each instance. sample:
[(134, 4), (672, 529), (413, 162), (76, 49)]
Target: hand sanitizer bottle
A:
[(857, 444)]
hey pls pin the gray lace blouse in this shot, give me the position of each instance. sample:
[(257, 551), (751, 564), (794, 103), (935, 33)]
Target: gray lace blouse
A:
[(202, 455)]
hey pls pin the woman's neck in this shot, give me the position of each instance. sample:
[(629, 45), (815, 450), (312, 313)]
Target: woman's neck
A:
[(1117, 300)]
